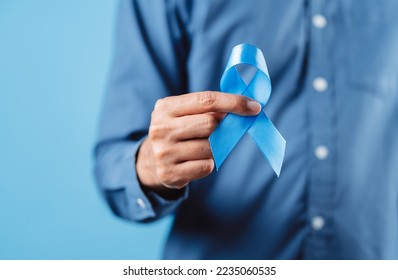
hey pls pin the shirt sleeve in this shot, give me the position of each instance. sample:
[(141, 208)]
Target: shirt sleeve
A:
[(148, 64)]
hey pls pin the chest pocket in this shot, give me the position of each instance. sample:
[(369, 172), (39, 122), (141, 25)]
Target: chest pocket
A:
[(371, 35)]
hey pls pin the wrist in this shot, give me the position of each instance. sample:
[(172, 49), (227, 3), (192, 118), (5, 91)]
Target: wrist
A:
[(144, 168)]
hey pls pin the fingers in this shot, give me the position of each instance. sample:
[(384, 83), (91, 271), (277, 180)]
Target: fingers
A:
[(183, 128), (195, 126), (180, 126), (208, 101), (180, 175), (194, 150), (182, 162), (195, 169)]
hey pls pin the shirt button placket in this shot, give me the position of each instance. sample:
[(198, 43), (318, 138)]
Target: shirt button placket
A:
[(320, 88)]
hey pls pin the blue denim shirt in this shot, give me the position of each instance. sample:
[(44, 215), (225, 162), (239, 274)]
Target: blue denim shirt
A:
[(334, 70)]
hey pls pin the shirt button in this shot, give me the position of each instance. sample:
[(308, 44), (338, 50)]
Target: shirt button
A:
[(319, 21), (321, 152), (320, 84), (317, 223), (141, 203)]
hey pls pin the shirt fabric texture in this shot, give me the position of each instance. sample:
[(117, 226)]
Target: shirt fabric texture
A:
[(334, 72)]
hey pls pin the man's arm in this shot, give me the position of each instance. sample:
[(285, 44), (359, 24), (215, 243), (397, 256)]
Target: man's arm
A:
[(144, 178), (149, 54)]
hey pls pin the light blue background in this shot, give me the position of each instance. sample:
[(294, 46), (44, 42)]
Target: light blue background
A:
[(54, 60)]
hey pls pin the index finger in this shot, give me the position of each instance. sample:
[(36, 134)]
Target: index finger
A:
[(212, 101)]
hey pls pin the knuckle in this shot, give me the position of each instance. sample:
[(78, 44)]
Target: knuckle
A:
[(202, 147), (207, 99), (154, 115), (207, 167), (160, 105), (158, 130), (154, 131), (211, 122), (164, 175), (161, 154), (240, 103)]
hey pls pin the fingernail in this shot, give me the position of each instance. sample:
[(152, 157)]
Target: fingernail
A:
[(254, 106)]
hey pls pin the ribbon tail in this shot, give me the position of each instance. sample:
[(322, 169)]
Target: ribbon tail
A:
[(269, 140), (227, 134)]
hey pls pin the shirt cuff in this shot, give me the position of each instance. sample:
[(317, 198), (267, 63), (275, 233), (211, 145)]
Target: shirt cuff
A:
[(147, 205)]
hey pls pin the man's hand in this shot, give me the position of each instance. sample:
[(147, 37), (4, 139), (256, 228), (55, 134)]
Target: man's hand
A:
[(177, 150)]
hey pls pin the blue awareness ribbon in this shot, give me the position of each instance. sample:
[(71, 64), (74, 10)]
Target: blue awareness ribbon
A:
[(260, 128)]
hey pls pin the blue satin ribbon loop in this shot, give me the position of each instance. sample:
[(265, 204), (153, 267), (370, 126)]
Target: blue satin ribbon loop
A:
[(260, 128)]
